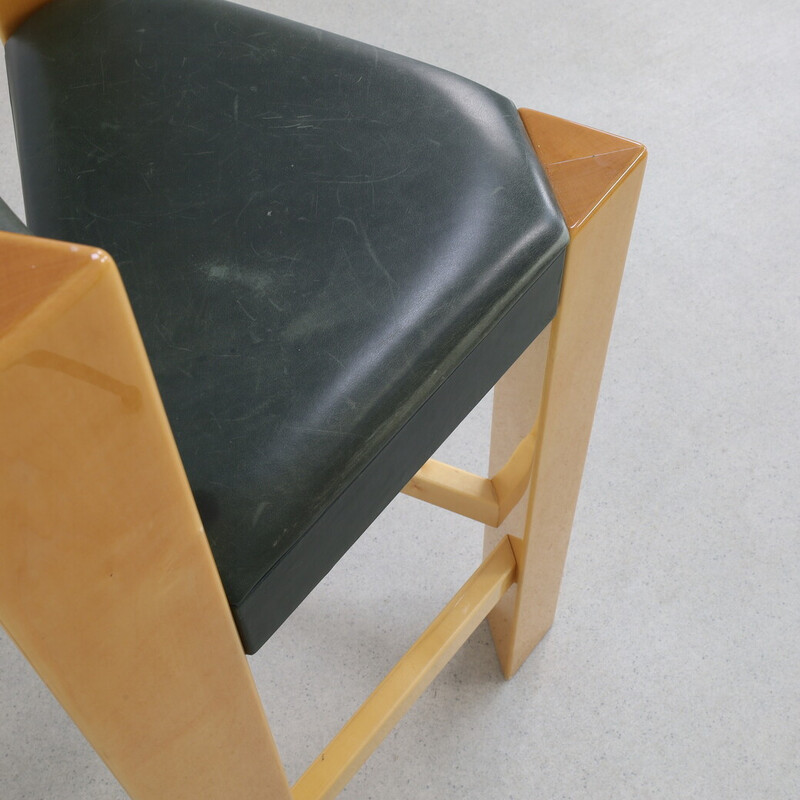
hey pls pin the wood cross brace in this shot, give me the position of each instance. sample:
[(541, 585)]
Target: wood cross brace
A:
[(487, 500)]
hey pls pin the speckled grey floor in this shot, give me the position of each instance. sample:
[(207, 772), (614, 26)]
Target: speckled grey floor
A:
[(673, 669)]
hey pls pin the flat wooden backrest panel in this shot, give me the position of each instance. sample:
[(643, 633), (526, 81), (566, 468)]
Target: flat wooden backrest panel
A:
[(14, 12)]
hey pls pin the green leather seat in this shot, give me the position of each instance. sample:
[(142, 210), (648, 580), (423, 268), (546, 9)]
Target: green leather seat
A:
[(333, 252)]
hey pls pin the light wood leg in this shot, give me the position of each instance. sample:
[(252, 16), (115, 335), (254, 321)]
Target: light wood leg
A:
[(106, 580), (596, 178)]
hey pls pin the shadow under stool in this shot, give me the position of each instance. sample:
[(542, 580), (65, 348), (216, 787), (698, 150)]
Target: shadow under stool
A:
[(265, 272)]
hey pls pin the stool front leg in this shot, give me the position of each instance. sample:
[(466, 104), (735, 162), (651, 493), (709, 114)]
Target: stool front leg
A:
[(596, 178), (107, 583)]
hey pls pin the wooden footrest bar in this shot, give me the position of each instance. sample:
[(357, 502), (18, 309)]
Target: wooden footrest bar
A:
[(456, 490), (487, 500), (409, 678)]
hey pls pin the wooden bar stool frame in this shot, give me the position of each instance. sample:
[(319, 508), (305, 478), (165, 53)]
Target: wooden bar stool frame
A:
[(120, 608)]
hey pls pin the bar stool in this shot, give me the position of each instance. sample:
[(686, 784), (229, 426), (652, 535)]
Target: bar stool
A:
[(265, 272)]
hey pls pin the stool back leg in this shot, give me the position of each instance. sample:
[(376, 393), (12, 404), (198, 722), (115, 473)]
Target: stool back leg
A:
[(107, 583), (596, 178)]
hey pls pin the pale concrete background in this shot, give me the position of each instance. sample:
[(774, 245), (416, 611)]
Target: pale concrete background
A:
[(673, 669)]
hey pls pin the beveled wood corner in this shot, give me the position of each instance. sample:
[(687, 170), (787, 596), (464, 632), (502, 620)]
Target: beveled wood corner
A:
[(14, 12), (107, 583)]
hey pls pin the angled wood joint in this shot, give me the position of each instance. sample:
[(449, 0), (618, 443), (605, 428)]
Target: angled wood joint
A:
[(456, 490), (585, 166), (487, 500), (14, 12)]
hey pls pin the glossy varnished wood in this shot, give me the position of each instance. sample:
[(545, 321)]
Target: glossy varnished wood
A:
[(345, 754), (106, 580), (584, 165), (596, 178), (14, 12)]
